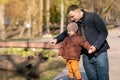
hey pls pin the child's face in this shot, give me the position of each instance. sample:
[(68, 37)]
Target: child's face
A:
[(70, 32)]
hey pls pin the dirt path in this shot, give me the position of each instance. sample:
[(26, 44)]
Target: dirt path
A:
[(113, 54)]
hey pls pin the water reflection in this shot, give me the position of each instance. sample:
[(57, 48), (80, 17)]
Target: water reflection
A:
[(10, 75)]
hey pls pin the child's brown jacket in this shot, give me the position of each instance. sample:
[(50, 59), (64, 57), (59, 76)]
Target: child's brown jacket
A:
[(71, 47)]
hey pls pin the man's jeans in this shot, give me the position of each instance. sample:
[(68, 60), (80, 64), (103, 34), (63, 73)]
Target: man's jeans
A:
[(97, 68)]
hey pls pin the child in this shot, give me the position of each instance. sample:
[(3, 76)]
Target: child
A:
[(70, 50)]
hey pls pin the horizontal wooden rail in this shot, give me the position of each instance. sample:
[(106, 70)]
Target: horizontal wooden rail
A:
[(29, 44)]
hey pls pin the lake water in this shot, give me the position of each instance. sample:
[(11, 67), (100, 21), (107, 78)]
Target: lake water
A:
[(10, 75)]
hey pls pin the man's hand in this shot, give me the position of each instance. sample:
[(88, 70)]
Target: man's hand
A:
[(53, 42), (92, 50)]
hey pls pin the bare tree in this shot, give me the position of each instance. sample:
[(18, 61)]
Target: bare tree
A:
[(41, 18), (48, 16), (62, 17), (2, 23), (102, 7)]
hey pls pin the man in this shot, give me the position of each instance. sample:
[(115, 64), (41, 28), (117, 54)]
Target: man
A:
[(93, 28)]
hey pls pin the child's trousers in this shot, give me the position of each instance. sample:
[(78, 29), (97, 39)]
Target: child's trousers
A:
[(73, 68)]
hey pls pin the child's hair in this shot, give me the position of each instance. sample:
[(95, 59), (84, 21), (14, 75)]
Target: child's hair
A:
[(73, 26)]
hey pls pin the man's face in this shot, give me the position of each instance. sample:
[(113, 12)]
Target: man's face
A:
[(75, 15)]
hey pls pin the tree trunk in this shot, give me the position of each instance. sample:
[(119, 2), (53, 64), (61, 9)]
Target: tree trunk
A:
[(48, 16), (62, 17), (2, 23), (41, 18)]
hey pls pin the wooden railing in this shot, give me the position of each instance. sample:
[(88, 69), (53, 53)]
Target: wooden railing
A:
[(29, 44)]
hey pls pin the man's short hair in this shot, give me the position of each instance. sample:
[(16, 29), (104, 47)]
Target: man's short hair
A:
[(72, 8)]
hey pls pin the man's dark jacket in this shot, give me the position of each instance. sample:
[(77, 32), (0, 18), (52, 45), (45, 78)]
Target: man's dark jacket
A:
[(94, 30)]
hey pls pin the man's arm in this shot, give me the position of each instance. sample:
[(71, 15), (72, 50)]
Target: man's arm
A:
[(101, 28), (61, 36), (58, 39)]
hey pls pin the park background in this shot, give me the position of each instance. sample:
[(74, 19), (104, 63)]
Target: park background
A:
[(41, 21)]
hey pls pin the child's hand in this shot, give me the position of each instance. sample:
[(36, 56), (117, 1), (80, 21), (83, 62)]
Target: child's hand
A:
[(91, 50)]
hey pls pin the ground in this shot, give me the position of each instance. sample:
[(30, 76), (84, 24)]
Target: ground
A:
[(114, 54)]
